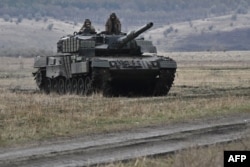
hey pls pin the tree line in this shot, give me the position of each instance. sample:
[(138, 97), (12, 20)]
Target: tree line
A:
[(131, 12)]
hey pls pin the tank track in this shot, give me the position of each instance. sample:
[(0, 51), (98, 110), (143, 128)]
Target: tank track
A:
[(159, 87), (101, 82), (164, 82), (80, 85)]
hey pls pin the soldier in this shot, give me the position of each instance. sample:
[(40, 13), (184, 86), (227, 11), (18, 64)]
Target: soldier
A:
[(113, 25), (87, 28)]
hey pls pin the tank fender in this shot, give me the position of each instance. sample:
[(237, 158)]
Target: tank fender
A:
[(40, 61), (167, 64), (100, 63), (80, 67)]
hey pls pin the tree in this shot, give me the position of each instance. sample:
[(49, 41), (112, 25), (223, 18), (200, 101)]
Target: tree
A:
[(19, 19), (242, 7), (234, 17), (6, 17), (50, 26), (38, 16), (167, 31), (210, 28)]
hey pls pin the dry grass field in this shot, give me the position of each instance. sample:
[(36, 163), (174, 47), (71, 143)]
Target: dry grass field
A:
[(206, 85), (223, 75)]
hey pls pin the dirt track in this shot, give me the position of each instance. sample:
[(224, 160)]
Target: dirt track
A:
[(104, 148)]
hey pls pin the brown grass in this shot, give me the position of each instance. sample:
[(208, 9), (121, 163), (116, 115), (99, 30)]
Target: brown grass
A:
[(26, 117)]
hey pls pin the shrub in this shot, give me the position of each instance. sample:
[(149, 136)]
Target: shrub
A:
[(167, 31), (50, 26), (210, 28), (234, 17), (6, 17), (38, 16), (29, 16), (19, 19), (45, 19)]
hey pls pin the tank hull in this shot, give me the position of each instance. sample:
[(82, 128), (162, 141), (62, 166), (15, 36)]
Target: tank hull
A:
[(112, 77)]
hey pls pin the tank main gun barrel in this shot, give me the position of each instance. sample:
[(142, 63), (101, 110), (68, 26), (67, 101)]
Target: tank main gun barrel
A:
[(133, 34)]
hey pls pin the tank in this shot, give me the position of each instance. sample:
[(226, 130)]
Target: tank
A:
[(114, 65)]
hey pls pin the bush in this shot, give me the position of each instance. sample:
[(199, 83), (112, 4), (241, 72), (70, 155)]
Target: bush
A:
[(190, 23), (29, 16), (38, 16), (45, 19), (6, 17), (210, 28), (167, 31), (19, 19), (234, 17), (242, 10), (242, 7), (50, 26)]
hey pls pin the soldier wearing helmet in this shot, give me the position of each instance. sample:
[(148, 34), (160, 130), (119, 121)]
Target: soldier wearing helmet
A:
[(87, 28), (113, 25)]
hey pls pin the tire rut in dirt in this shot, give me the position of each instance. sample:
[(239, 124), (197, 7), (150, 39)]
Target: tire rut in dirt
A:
[(125, 146)]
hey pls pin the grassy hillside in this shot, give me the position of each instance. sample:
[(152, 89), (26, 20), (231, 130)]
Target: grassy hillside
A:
[(229, 32), (132, 12), (31, 37)]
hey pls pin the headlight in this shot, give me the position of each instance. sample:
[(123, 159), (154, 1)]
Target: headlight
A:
[(154, 63), (112, 63)]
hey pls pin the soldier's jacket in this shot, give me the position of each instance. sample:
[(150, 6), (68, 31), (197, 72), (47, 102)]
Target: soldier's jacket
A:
[(114, 28), (87, 30)]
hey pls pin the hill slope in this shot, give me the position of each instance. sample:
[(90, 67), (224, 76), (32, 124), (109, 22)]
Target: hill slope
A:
[(33, 37), (30, 37), (229, 32)]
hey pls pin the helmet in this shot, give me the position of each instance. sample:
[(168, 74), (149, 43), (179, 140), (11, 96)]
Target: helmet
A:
[(87, 23), (113, 16)]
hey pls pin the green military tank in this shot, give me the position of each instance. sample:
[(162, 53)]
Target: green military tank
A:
[(115, 65)]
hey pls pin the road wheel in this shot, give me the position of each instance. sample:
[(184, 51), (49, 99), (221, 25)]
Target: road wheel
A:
[(55, 85), (39, 78), (164, 82), (48, 86), (108, 90), (74, 86), (88, 85), (81, 86), (68, 86), (61, 86)]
